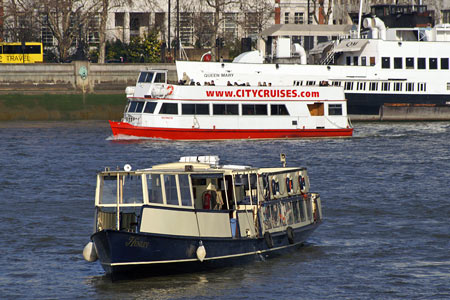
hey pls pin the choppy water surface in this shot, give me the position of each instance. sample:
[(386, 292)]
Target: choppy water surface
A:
[(385, 195)]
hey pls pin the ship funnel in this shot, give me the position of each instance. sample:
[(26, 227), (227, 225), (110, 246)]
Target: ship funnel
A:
[(298, 49), (377, 27)]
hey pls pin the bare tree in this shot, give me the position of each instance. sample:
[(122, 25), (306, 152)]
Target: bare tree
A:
[(218, 7), (65, 18), (322, 14), (257, 15), (20, 22)]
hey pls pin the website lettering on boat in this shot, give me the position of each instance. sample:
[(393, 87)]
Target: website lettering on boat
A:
[(243, 93)]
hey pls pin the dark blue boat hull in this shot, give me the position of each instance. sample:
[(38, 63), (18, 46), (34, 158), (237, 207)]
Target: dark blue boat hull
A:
[(143, 254)]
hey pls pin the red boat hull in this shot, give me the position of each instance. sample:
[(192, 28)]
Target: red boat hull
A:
[(123, 128)]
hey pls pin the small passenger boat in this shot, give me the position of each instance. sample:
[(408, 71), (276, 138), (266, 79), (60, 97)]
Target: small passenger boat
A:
[(196, 214), (156, 109)]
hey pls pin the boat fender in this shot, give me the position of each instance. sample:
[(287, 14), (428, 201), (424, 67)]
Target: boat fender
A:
[(89, 252), (290, 234), (201, 252), (169, 89), (268, 239)]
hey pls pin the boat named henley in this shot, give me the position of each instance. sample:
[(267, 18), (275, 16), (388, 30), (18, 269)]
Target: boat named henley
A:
[(159, 110), (196, 214)]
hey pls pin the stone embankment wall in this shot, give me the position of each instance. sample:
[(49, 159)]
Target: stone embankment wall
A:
[(59, 92), (66, 78)]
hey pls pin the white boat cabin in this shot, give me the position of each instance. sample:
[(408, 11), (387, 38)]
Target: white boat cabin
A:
[(198, 197)]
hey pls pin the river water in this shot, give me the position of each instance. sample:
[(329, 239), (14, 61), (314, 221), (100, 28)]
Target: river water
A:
[(385, 195)]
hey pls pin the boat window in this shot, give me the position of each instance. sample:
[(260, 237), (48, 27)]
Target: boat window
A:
[(170, 187), (336, 83), (372, 60), (361, 86), (398, 86), (302, 210), (195, 109), (363, 61), (355, 60), (386, 86), (150, 107), (132, 189), (225, 109), (410, 62), (310, 83), (316, 109), (348, 85), (373, 86), (421, 63), (398, 63), (289, 215), (132, 106), (154, 188), (421, 86), (145, 77), (432, 63), (185, 191), (335, 109), (386, 62), (278, 110), (410, 87), (160, 78), (448, 86), (296, 211), (444, 63), (169, 109), (109, 190), (348, 60), (139, 106), (254, 109)]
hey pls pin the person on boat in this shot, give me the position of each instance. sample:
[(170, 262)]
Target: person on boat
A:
[(186, 79), (212, 199), (229, 83), (212, 82)]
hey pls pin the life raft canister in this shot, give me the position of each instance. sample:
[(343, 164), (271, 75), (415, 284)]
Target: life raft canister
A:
[(289, 184), (275, 187), (301, 182), (169, 89)]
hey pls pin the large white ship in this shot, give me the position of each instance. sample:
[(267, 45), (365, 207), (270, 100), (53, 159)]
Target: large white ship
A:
[(396, 65)]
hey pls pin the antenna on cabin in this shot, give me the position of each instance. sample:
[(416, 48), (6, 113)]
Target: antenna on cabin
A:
[(283, 159)]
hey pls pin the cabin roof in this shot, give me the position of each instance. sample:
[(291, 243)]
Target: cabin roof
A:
[(306, 29)]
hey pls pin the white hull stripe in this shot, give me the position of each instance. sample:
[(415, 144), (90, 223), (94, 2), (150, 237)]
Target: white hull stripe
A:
[(194, 259)]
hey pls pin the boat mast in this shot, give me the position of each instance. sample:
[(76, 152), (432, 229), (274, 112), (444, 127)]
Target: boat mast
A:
[(359, 18)]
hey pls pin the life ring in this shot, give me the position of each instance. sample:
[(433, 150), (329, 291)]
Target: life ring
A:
[(301, 183), (169, 89), (289, 184), (290, 234), (268, 239)]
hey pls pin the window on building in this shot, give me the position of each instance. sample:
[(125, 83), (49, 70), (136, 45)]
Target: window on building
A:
[(160, 21), (286, 18), (194, 109), (225, 109), (230, 26), (298, 18), (169, 109), (186, 28), (398, 63), (432, 63), (335, 110), (386, 86), (421, 63), (254, 109), (386, 62), (119, 19), (252, 23), (46, 33), (410, 62), (93, 29), (278, 110), (444, 63)]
